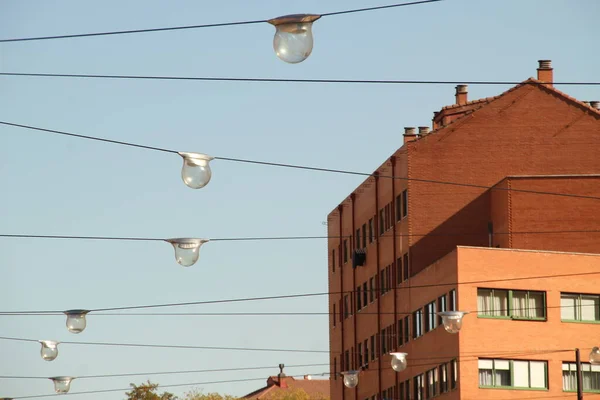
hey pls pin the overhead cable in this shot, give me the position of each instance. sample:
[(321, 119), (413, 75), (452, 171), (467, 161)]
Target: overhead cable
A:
[(465, 356), (268, 238), (294, 80), (198, 371), (303, 167), (289, 296), (168, 346), (215, 25)]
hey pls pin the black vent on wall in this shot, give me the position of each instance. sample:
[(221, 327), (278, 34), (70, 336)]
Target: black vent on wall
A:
[(359, 258)]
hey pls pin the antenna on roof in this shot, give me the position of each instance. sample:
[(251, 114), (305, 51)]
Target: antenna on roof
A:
[(281, 374)]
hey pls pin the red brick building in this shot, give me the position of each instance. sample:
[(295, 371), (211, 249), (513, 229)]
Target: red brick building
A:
[(281, 384), (473, 181)]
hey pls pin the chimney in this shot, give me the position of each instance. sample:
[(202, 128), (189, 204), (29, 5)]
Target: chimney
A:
[(461, 94), (423, 130), (410, 134), (281, 377), (433, 120), (545, 72), (595, 104)]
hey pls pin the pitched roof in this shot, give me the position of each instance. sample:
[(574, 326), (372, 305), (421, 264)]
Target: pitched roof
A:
[(315, 388), (475, 105)]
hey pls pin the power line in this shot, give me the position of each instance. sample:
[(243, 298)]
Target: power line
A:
[(222, 24), (497, 312), (301, 295), (303, 167), (292, 80), (466, 356), (268, 238), (169, 346), (198, 371), (87, 137)]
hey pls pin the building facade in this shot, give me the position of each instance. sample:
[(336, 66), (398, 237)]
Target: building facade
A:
[(461, 203)]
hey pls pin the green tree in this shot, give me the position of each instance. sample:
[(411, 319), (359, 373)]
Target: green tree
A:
[(148, 391), (198, 395), (290, 394)]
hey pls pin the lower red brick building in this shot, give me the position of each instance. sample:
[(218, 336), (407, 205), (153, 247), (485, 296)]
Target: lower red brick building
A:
[(281, 387)]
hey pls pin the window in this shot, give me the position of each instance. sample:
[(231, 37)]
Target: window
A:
[(371, 230), (360, 355), (385, 278), (366, 347), (442, 306), (372, 289), (335, 368), (383, 340), (431, 379), (517, 304), (357, 238), (399, 271), (358, 298), (334, 316), (341, 311), (346, 306), (398, 208), (352, 358), (406, 333), (345, 251), (453, 374), (381, 221), (388, 394), (388, 216), (418, 387), (346, 360), (332, 260), (579, 307), (417, 324), (590, 377), (365, 295), (404, 203), (364, 235), (430, 317), (373, 354), (452, 300), (443, 374), (400, 336), (405, 390), (513, 373), (405, 266)]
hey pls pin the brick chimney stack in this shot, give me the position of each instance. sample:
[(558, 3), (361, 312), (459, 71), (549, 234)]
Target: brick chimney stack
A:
[(545, 73), (461, 94), (281, 377), (410, 134), (423, 131)]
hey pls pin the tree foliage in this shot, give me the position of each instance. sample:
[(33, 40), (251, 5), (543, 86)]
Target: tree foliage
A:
[(291, 394), (148, 391), (198, 395)]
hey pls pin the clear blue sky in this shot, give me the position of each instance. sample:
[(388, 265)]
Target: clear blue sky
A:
[(65, 186)]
